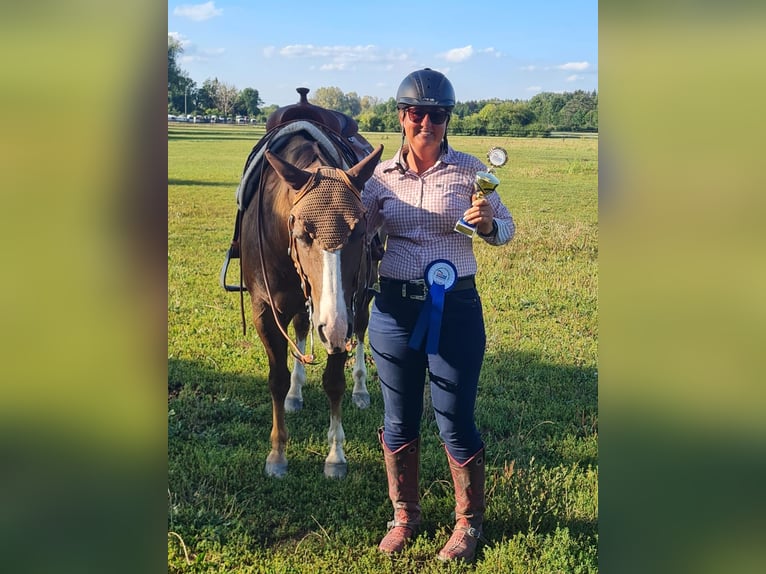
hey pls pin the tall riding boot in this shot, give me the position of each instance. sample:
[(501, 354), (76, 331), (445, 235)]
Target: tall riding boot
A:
[(468, 480), (402, 471)]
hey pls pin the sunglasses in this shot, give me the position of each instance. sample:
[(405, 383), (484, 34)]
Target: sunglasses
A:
[(438, 116)]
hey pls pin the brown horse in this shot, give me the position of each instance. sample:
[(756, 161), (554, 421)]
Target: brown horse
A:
[(304, 259)]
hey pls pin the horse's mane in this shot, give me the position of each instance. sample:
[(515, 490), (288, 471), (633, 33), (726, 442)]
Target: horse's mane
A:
[(303, 152)]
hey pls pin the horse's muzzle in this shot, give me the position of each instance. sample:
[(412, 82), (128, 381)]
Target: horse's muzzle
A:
[(334, 340)]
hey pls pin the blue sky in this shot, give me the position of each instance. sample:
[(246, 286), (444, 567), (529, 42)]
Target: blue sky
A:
[(507, 51)]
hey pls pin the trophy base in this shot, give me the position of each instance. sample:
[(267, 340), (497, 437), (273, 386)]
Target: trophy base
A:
[(465, 228)]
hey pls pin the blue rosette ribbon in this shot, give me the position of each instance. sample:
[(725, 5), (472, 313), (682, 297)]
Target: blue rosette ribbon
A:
[(440, 276)]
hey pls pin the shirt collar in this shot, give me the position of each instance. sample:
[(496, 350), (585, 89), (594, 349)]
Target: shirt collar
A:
[(446, 157)]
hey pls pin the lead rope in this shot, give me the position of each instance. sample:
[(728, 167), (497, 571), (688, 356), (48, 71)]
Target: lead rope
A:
[(296, 352), (305, 287)]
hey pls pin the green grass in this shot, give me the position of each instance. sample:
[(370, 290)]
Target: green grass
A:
[(537, 404)]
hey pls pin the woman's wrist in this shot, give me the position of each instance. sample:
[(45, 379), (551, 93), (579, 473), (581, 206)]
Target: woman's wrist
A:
[(492, 233)]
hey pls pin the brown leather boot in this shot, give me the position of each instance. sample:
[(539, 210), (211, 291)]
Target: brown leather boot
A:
[(402, 470), (468, 480)]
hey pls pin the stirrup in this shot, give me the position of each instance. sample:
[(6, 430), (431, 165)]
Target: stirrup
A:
[(231, 253)]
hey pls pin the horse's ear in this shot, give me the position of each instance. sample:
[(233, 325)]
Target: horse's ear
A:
[(362, 171), (293, 176)]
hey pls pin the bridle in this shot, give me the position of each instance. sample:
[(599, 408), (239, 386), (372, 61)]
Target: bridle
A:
[(339, 183)]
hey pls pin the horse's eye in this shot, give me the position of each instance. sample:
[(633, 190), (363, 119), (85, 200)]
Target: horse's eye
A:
[(305, 238)]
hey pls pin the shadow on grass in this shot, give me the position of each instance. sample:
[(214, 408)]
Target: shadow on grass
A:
[(197, 183), (203, 136), (539, 422)]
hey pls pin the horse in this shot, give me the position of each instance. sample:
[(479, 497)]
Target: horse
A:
[(302, 241)]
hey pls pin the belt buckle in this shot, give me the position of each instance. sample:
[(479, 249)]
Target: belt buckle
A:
[(421, 283)]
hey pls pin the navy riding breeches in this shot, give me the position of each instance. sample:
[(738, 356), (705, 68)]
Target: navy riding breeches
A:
[(453, 372)]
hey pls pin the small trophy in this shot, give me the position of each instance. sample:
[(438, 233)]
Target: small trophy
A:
[(485, 183)]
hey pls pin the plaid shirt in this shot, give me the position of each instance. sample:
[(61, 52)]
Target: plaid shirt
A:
[(418, 214)]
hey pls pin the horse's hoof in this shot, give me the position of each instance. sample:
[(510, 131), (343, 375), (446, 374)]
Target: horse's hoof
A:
[(293, 405), (276, 470), (335, 469), (361, 400)]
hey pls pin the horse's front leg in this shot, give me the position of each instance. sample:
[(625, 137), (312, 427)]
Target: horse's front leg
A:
[(279, 379), (360, 395), (294, 399), (334, 383)]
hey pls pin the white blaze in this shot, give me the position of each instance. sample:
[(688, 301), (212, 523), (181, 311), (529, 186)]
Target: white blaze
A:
[(332, 307)]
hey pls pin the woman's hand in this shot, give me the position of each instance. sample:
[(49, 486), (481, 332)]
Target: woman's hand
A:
[(480, 214)]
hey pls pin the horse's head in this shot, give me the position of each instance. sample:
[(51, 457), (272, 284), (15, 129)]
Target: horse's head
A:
[(327, 227)]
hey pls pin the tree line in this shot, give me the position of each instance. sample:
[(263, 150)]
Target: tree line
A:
[(539, 116)]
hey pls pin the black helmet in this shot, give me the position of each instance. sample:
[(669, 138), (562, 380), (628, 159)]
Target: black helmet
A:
[(426, 87)]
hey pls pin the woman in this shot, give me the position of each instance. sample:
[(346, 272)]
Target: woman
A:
[(427, 316)]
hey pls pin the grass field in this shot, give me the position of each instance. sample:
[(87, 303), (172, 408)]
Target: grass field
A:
[(537, 405)]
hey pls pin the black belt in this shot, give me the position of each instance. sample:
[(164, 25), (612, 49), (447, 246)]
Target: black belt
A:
[(418, 289)]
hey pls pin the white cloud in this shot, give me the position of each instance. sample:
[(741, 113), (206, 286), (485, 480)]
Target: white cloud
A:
[(189, 53), (339, 52), (491, 51), (333, 67), (198, 12), (528, 68), (192, 53), (342, 58), (182, 40), (575, 66), (458, 54), (574, 78)]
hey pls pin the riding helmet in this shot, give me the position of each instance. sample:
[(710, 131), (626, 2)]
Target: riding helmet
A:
[(426, 87)]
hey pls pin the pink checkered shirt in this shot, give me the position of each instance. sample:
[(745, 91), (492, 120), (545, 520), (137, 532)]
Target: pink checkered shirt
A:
[(418, 213)]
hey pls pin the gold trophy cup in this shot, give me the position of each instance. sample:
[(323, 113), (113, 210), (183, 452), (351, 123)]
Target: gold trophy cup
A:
[(485, 183)]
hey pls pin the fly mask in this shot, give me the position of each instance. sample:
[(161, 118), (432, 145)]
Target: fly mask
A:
[(327, 239)]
